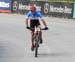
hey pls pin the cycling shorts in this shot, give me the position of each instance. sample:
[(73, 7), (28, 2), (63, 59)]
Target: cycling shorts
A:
[(34, 23)]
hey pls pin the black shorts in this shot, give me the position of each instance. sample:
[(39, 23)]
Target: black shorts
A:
[(34, 23)]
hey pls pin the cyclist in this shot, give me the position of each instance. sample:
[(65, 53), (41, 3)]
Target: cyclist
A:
[(34, 16)]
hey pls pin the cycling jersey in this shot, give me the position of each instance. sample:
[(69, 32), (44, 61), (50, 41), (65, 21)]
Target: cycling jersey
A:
[(34, 18), (36, 15)]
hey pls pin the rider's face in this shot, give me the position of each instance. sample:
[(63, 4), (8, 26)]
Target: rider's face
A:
[(33, 9)]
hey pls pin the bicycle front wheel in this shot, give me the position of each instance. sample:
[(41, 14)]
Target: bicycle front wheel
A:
[(36, 45), (36, 50)]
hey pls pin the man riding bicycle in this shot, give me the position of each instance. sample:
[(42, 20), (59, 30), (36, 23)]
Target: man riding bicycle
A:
[(34, 17)]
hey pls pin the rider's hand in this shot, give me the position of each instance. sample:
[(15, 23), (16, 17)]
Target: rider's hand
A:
[(46, 28), (27, 27)]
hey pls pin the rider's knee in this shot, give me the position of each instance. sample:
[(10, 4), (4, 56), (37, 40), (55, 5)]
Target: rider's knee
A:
[(32, 33)]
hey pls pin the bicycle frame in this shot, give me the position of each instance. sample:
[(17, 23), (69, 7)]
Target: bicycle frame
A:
[(36, 38)]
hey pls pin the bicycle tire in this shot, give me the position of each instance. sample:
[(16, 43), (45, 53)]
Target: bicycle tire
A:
[(36, 45), (36, 51)]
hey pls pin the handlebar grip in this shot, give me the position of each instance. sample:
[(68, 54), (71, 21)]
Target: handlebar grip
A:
[(44, 29)]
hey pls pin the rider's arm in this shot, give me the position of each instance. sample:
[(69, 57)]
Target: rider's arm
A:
[(27, 17), (26, 22), (42, 19), (44, 22)]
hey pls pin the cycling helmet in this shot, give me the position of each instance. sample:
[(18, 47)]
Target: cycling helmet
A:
[(33, 7)]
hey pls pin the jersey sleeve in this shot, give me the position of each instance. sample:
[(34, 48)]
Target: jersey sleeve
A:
[(27, 15), (40, 15)]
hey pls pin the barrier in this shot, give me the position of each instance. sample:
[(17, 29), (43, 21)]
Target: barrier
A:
[(23, 6), (74, 11), (55, 9), (58, 9), (18, 5), (5, 5), (14, 6)]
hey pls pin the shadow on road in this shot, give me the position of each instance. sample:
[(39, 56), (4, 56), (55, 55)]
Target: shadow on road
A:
[(60, 54)]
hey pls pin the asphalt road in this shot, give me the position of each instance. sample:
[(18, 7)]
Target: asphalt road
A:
[(58, 42)]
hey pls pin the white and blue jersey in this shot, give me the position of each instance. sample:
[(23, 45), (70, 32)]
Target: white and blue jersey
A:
[(36, 15), (34, 18)]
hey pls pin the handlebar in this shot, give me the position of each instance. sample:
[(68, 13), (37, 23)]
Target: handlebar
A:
[(34, 28)]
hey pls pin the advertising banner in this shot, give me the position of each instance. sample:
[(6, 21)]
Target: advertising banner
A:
[(5, 5), (58, 9), (23, 6), (55, 9), (15, 6)]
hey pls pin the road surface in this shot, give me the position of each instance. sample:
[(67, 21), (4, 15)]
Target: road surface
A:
[(58, 42)]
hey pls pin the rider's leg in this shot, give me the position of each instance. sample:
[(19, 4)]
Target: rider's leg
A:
[(32, 37), (40, 37), (32, 40), (40, 34)]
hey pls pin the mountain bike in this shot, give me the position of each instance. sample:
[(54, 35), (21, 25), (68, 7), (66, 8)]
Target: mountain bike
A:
[(36, 38)]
